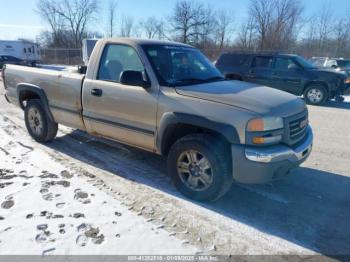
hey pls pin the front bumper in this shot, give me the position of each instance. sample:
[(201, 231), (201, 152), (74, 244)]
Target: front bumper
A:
[(253, 165)]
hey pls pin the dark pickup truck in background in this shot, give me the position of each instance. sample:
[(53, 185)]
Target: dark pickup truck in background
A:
[(7, 59), (290, 73)]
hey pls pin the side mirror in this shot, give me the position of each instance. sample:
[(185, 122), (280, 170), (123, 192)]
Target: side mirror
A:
[(133, 78)]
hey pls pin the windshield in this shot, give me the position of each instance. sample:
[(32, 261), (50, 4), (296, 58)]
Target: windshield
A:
[(304, 63), (179, 66), (343, 63)]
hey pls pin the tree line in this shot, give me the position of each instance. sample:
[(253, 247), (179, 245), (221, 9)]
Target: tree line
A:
[(279, 25)]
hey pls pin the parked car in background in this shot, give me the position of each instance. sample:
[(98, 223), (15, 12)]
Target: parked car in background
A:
[(342, 65), (323, 61), (6, 59), (169, 99), (290, 73)]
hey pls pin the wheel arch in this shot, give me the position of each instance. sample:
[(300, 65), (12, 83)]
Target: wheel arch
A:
[(174, 126), (26, 92), (316, 82)]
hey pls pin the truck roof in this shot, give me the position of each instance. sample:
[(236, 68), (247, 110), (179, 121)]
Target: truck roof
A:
[(139, 41)]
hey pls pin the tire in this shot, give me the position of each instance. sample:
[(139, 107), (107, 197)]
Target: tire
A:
[(218, 178), (316, 94), (38, 124)]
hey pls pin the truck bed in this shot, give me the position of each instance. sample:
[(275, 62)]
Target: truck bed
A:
[(62, 88)]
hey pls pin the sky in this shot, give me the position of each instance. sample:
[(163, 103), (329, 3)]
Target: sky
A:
[(18, 18)]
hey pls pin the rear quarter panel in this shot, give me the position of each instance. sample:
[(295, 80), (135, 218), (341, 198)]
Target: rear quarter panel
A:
[(62, 88)]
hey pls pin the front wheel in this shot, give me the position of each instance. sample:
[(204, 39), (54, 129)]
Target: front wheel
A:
[(315, 95), (38, 124), (200, 167)]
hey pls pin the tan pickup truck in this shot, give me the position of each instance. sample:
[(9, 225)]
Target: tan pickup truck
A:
[(168, 98)]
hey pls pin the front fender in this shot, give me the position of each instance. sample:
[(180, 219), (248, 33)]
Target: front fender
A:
[(173, 118)]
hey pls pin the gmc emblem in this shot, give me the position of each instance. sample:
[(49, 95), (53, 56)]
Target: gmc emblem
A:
[(304, 123)]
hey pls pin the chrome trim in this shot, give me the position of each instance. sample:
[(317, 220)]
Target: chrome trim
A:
[(280, 153)]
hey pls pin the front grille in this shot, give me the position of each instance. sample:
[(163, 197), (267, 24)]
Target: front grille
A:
[(297, 127)]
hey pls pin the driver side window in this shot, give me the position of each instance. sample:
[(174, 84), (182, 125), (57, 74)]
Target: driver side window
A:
[(285, 64), (115, 60)]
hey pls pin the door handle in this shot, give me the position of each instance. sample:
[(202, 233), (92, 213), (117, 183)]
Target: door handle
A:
[(96, 92)]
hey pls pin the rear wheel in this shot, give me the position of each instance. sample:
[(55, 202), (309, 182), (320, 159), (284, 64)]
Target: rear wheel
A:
[(316, 94), (38, 124), (200, 167)]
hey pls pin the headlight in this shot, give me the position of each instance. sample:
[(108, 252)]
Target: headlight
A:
[(265, 124), (347, 80), (265, 131)]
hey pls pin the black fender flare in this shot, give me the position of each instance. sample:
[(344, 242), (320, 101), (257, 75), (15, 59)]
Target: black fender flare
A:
[(24, 88), (317, 82), (227, 131)]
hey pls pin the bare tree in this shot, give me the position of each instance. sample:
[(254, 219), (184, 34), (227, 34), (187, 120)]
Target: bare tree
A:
[(187, 20), (246, 39), (261, 13), (223, 26), (205, 32), (151, 27), (126, 26), (112, 10), (326, 34), (342, 36), (72, 15), (47, 12), (325, 26), (275, 22)]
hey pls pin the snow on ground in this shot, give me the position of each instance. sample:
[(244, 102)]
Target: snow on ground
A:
[(110, 178), (184, 221), (46, 209)]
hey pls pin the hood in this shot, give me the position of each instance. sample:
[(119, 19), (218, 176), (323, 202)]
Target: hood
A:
[(259, 99), (327, 71)]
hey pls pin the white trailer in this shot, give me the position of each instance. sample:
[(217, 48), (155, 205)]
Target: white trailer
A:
[(88, 46), (22, 49)]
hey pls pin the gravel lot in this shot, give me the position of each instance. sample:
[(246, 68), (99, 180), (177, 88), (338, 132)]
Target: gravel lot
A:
[(306, 213)]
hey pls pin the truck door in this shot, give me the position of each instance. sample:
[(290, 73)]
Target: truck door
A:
[(121, 112), (260, 71), (287, 75)]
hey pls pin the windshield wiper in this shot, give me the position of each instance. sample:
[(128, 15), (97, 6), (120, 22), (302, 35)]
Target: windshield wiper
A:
[(189, 80), (215, 78), (200, 80)]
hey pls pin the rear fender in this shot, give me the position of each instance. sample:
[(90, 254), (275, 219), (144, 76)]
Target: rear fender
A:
[(25, 90)]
